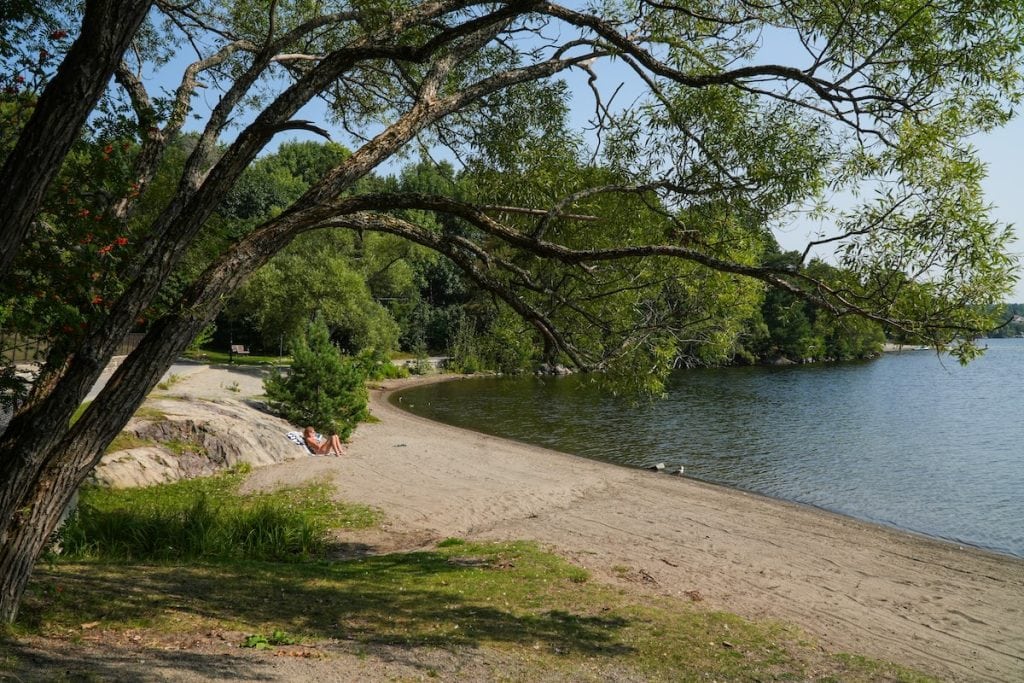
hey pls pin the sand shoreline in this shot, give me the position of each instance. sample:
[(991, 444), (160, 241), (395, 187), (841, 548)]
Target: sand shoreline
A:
[(385, 392), (952, 610), (856, 587)]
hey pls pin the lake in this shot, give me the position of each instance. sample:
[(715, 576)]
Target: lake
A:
[(910, 440)]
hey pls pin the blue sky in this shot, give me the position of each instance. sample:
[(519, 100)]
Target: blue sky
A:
[(1003, 151)]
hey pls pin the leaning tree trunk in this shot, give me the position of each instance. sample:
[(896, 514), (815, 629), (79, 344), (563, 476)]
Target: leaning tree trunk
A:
[(62, 109), (40, 472), (67, 464), (42, 492)]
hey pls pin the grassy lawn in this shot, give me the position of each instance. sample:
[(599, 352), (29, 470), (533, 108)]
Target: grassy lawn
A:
[(223, 357), (538, 610), (206, 519)]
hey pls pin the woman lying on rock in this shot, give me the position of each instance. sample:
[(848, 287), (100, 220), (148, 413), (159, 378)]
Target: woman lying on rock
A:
[(331, 446)]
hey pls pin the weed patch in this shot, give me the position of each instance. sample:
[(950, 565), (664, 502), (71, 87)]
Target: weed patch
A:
[(259, 641), (206, 519), (171, 380), (150, 414), (182, 446), (126, 440)]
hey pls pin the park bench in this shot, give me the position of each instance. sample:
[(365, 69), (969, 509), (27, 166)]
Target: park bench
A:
[(240, 349)]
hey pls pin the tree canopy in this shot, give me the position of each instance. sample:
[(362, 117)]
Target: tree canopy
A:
[(710, 125)]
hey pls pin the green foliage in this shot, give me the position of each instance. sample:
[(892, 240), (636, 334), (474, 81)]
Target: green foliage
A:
[(322, 388), (1011, 321), (464, 353), (205, 519), (315, 277), (202, 339), (788, 327), (259, 641), (69, 272), (633, 255), (376, 365), (272, 183)]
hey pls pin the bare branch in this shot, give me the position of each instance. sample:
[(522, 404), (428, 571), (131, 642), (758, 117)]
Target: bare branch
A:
[(275, 128)]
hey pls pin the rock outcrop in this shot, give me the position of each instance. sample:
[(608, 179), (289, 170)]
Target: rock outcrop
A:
[(188, 437)]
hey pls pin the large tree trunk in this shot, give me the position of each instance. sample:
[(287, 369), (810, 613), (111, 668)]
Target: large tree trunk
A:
[(62, 109), (38, 490), (42, 463), (43, 496)]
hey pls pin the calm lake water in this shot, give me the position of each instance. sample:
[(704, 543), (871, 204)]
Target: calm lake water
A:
[(910, 440)]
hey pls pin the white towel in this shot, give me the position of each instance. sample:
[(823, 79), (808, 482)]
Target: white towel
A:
[(296, 437)]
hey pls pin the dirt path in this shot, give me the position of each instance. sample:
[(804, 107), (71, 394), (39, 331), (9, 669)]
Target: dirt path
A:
[(953, 611)]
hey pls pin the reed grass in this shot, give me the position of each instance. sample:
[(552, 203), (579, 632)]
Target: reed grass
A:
[(206, 519)]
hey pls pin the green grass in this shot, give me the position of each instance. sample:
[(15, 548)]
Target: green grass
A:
[(215, 357), (206, 519), (125, 440), (538, 610), (196, 557), (150, 414), (181, 446)]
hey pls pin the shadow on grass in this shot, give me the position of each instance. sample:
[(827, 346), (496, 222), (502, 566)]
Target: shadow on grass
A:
[(509, 594), (26, 663)]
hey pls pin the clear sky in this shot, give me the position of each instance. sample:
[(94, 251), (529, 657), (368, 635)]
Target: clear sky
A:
[(1003, 151)]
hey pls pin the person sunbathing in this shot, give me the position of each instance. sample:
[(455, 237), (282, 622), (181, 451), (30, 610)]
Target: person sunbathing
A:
[(330, 446)]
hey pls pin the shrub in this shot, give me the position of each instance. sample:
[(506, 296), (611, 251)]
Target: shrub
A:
[(377, 365), (323, 389)]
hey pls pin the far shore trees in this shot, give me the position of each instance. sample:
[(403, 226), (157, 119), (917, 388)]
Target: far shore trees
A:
[(612, 239)]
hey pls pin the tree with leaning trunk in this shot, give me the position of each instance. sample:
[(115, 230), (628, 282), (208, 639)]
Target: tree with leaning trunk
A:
[(710, 126)]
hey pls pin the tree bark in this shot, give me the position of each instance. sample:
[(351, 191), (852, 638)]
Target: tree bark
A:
[(44, 491), (40, 470), (62, 109), (47, 495)]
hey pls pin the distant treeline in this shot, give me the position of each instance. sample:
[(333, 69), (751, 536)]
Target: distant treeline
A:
[(1013, 314)]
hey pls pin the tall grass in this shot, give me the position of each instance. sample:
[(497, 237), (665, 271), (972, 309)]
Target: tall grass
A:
[(206, 519)]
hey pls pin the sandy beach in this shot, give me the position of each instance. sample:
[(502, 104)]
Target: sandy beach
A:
[(953, 611)]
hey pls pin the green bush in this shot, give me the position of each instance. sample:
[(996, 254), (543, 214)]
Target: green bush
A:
[(377, 365), (323, 389), (464, 350)]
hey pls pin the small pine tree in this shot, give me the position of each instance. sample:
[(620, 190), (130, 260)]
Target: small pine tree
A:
[(324, 389)]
